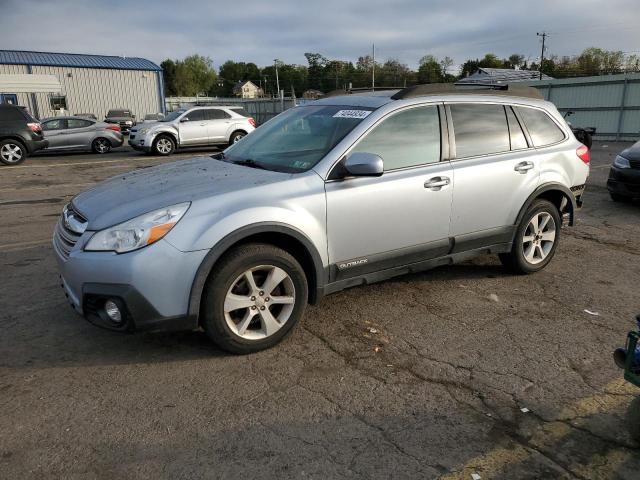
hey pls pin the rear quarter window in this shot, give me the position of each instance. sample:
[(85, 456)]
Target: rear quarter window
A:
[(542, 129)]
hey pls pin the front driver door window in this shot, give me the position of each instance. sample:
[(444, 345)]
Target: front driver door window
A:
[(398, 218), (53, 130)]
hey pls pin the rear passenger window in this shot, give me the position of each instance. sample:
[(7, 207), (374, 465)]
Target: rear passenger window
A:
[(406, 139), (77, 123), (216, 114), (479, 129), (542, 129), (518, 140)]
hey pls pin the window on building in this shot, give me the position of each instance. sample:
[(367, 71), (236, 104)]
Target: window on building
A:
[(542, 129), (480, 129), (406, 139), (58, 102)]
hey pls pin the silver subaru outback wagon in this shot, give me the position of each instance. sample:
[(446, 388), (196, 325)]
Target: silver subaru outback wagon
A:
[(344, 191)]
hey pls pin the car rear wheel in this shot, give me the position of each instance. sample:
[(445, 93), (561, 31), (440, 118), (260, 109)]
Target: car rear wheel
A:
[(237, 136), (254, 298), (536, 239), (164, 145), (101, 145), (12, 152)]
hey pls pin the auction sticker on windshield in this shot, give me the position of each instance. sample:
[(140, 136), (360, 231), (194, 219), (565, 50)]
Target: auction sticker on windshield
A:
[(351, 114)]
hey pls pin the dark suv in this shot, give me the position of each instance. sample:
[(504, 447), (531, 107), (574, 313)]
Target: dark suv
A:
[(20, 134), (122, 117)]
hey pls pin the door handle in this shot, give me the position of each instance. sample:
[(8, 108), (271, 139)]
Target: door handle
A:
[(523, 167), (436, 183), (203, 124)]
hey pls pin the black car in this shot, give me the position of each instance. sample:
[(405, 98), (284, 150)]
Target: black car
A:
[(624, 177), (20, 134), (122, 117)]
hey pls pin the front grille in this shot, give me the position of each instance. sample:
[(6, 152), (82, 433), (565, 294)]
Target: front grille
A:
[(634, 163), (67, 233), (132, 136)]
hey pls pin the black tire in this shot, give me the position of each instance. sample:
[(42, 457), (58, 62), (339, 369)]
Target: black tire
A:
[(164, 145), (12, 152), (101, 145), (515, 260), (224, 277), (616, 197), (237, 136)]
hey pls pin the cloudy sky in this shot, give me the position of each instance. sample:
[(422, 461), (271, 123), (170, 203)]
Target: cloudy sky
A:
[(259, 30)]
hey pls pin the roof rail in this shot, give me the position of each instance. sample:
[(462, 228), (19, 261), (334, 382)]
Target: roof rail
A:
[(508, 89)]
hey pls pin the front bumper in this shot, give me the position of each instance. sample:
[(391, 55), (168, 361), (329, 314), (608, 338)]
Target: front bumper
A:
[(139, 142), (152, 285), (624, 181)]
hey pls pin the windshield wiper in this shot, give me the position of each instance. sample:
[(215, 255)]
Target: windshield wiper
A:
[(248, 162)]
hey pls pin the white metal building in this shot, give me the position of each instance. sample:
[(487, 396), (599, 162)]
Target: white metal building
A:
[(47, 83)]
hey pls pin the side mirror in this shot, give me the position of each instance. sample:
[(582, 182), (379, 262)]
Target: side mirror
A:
[(184, 119), (363, 164)]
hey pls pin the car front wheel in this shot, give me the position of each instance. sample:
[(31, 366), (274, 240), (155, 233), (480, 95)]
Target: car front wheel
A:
[(237, 136), (536, 239), (164, 145), (12, 152), (254, 298)]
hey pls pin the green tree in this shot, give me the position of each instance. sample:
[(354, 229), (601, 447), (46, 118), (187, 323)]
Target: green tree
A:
[(233, 72), (315, 70), (430, 70), (169, 77), (194, 75)]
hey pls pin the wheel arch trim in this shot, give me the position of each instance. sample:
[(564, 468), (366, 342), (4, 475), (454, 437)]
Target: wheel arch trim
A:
[(548, 187), (238, 236)]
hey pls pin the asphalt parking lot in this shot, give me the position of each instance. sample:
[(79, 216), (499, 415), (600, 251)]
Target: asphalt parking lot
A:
[(423, 376)]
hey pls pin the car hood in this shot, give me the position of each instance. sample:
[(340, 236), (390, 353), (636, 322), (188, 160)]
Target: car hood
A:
[(632, 153), (126, 196)]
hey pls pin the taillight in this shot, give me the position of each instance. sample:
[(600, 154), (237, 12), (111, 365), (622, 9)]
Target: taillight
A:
[(252, 122), (35, 127), (113, 126), (583, 154)]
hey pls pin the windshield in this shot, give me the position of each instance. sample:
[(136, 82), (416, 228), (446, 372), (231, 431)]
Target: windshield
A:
[(172, 116), (298, 138)]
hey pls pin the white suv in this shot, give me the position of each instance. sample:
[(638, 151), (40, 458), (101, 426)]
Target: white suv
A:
[(193, 127)]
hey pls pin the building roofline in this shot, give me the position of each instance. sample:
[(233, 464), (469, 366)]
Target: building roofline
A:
[(144, 64)]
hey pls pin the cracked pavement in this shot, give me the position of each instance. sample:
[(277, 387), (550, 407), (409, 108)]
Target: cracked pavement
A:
[(422, 376)]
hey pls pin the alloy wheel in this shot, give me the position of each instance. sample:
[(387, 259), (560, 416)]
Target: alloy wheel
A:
[(102, 146), (164, 145), (539, 237), (11, 153), (238, 137), (259, 302)]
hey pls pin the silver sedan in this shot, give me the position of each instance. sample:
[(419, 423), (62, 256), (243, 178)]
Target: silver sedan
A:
[(76, 133)]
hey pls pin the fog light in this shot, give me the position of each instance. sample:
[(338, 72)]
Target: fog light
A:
[(113, 311)]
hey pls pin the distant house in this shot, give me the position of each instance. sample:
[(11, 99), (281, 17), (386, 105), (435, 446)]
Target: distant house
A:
[(312, 94), (502, 75), (247, 89)]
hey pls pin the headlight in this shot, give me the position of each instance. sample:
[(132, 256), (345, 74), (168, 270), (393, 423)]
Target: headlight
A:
[(128, 122), (621, 162), (142, 131), (138, 232)]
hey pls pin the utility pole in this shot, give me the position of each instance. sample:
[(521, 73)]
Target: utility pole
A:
[(373, 70), (544, 37), (277, 79)]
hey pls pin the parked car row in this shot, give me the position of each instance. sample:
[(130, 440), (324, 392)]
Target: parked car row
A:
[(21, 135)]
